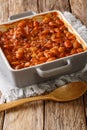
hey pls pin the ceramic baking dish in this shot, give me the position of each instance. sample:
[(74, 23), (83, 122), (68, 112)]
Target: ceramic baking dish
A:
[(42, 72)]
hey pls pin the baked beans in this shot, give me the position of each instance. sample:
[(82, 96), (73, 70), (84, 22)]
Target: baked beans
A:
[(32, 41)]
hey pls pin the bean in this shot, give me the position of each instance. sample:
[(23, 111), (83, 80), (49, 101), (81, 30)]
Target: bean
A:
[(35, 23), (19, 53), (45, 32), (27, 64), (48, 44), (43, 59), (19, 66), (46, 20), (53, 24), (47, 54), (62, 55), (76, 44), (59, 22), (21, 23), (68, 44), (51, 59), (56, 29), (61, 49), (80, 50), (0, 33), (58, 34), (73, 51)]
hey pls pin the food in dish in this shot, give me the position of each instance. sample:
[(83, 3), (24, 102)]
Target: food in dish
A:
[(35, 41)]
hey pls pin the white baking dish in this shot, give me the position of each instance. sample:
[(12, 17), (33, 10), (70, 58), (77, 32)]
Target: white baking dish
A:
[(45, 71)]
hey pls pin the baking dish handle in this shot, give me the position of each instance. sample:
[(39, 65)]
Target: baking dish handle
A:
[(55, 71), (21, 15)]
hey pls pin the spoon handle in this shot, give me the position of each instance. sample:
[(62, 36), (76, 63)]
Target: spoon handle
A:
[(18, 102)]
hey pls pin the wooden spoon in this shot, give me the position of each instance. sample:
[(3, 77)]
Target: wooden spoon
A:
[(65, 93)]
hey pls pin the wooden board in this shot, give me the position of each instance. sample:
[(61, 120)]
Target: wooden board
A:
[(65, 116), (4, 10), (45, 5), (19, 6), (26, 117), (79, 8), (81, 12), (1, 120), (85, 105), (45, 115)]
